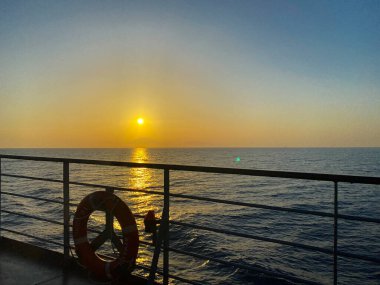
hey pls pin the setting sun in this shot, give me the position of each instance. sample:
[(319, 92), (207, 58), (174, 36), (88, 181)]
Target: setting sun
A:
[(140, 121)]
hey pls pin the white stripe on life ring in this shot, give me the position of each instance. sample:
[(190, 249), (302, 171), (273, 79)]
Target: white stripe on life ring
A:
[(107, 269), (129, 229), (80, 240)]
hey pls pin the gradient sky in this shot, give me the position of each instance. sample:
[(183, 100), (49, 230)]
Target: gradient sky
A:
[(201, 73)]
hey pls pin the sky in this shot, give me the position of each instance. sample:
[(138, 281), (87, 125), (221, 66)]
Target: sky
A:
[(201, 73)]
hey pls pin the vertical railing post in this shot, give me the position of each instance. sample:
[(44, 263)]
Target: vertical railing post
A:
[(162, 238), (0, 199), (335, 232), (109, 216), (66, 211), (166, 223)]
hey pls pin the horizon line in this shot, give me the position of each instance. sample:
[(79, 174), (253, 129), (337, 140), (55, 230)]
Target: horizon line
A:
[(201, 147)]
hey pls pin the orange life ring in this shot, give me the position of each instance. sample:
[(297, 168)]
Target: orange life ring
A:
[(124, 264)]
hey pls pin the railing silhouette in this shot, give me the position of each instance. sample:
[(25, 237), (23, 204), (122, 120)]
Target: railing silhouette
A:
[(162, 243)]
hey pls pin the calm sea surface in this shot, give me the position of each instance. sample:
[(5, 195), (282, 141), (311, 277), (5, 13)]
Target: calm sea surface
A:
[(354, 237)]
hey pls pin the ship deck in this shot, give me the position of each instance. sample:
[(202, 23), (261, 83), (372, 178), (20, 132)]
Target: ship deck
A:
[(22, 263)]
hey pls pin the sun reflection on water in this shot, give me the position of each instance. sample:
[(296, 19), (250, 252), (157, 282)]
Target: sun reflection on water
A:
[(140, 155), (139, 203), (142, 179)]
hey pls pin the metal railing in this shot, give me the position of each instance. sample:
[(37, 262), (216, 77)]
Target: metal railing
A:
[(164, 228)]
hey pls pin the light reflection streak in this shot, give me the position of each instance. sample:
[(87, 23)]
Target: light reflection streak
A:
[(139, 203), (141, 179), (99, 219)]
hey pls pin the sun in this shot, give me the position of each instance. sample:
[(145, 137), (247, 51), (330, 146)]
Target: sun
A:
[(140, 121)]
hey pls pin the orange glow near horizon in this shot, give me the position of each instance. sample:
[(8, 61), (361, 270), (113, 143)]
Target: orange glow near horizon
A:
[(140, 75)]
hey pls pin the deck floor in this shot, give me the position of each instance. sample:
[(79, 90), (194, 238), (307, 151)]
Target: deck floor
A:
[(18, 268), (25, 264)]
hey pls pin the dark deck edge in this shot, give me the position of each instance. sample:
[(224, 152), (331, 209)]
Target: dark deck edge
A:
[(32, 251), (50, 257)]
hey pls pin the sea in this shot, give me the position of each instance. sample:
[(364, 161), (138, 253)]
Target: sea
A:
[(354, 199)]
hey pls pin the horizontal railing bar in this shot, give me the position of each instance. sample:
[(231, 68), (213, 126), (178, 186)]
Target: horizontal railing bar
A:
[(140, 241), (253, 205), (276, 208), (116, 188), (228, 263), (32, 178), (358, 218), (246, 267), (90, 185), (31, 197), (77, 183), (340, 253), (358, 256), (31, 236), (298, 245), (208, 169), (37, 198), (32, 217), (277, 241)]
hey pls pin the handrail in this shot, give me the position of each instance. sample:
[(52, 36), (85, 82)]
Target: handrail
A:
[(32, 178), (32, 217), (165, 221), (207, 169), (34, 198), (193, 197)]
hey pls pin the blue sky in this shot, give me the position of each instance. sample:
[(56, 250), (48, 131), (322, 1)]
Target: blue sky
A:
[(203, 73)]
